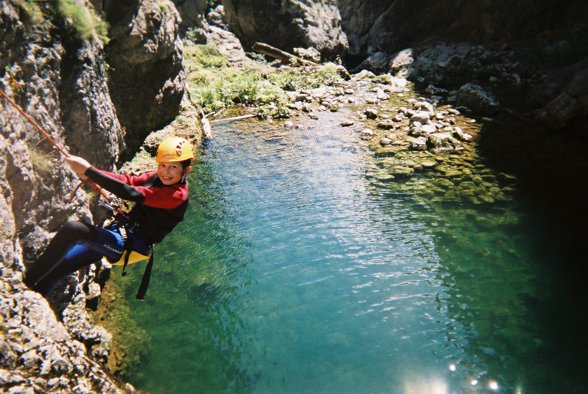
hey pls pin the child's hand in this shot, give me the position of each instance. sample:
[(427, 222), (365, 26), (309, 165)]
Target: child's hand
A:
[(78, 165)]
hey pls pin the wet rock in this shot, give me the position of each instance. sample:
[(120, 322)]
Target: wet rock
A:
[(423, 117), (443, 183), (418, 130), (477, 99), (371, 113), (366, 133), (424, 106), (428, 163), (346, 123), (382, 96), (419, 143), (386, 124), (458, 133), (402, 171)]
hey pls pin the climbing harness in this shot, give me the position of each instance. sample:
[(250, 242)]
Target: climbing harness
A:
[(124, 225), (52, 141), (127, 227)]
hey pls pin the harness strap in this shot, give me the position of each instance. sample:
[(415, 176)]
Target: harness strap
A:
[(127, 251), (146, 276), (124, 220)]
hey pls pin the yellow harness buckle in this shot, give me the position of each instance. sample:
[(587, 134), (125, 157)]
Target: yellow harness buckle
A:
[(134, 257)]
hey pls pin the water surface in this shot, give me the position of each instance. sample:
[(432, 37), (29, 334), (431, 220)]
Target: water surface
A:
[(296, 271)]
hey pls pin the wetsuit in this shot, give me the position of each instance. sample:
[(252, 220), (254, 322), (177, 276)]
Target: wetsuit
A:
[(158, 209)]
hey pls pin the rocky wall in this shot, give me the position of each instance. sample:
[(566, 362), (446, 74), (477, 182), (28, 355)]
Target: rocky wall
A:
[(288, 24), (147, 79), (61, 81), (542, 44)]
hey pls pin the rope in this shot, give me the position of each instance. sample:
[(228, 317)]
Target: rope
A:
[(34, 123), (51, 140)]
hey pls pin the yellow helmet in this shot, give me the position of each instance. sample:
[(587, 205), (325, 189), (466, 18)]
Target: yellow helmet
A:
[(174, 149)]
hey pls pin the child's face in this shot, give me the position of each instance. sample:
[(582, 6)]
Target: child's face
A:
[(170, 172)]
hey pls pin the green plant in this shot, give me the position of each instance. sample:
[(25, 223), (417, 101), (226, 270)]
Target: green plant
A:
[(214, 83), (205, 56), (32, 9), (84, 19), (163, 6), (41, 161)]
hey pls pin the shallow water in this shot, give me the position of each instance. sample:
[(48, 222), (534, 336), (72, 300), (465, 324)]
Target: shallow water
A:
[(296, 271)]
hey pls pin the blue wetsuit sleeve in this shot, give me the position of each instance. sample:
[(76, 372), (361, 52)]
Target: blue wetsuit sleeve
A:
[(118, 188)]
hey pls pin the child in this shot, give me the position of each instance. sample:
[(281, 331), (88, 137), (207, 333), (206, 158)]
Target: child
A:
[(160, 197)]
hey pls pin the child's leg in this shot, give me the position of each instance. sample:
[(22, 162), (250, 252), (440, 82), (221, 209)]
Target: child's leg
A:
[(77, 257), (75, 246), (70, 234)]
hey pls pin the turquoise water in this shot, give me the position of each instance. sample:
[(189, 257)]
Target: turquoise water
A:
[(297, 272)]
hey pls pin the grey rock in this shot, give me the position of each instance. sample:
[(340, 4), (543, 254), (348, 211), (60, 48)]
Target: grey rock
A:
[(422, 117), (400, 62), (292, 24), (371, 113), (147, 79), (477, 99)]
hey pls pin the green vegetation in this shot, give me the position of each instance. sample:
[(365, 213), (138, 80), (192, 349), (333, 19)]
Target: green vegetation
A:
[(41, 161), (163, 5), (84, 19), (32, 9), (215, 84), (79, 13)]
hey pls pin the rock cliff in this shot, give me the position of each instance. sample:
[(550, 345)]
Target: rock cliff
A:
[(542, 44), (52, 64), (288, 24)]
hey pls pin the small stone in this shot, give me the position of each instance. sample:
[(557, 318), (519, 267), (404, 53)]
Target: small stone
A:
[(428, 163), (371, 113), (383, 96), (422, 117), (366, 133), (402, 171), (386, 124)]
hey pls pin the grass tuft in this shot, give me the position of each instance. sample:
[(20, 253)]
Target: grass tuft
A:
[(41, 161), (84, 19), (32, 9)]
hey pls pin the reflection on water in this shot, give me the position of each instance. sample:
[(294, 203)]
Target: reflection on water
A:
[(295, 272)]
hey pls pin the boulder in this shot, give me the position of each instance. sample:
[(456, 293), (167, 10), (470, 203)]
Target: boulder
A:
[(289, 24), (477, 99), (400, 62), (569, 101)]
